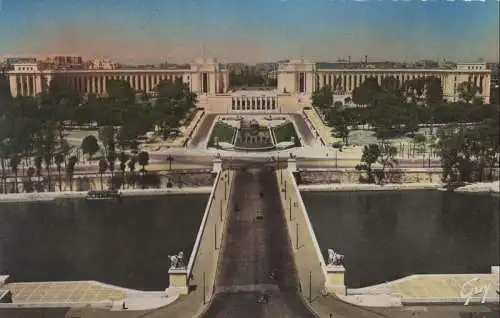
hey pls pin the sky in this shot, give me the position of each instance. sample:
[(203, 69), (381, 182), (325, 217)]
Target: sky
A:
[(147, 31)]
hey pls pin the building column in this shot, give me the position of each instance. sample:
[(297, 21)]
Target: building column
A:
[(13, 85), (486, 88)]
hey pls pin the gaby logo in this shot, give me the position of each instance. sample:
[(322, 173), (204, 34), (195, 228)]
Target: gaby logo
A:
[(474, 288)]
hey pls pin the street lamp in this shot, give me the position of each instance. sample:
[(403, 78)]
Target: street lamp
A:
[(170, 159)]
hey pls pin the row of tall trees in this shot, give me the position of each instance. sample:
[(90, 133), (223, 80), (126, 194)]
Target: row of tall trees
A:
[(392, 110), (34, 129), (466, 151), (467, 154), (250, 77)]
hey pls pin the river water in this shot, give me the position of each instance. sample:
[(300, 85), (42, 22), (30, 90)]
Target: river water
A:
[(125, 244), (386, 235)]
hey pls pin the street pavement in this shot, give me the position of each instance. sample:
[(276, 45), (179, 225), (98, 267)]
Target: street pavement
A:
[(304, 130), (203, 130), (256, 244), (206, 160)]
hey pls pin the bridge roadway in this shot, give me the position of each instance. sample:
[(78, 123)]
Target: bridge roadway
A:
[(256, 244), (203, 131), (303, 128)]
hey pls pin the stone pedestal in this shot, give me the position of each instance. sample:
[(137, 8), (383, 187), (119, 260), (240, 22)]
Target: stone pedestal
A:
[(494, 270), (178, 281), (292, 165), (217, 165), (3, 280), (335, 279)]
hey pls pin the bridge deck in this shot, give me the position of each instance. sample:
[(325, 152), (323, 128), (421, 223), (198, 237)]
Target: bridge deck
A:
[(255, 246)]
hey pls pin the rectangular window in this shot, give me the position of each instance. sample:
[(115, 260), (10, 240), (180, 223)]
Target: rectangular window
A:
[(204, 83), (302, 83)]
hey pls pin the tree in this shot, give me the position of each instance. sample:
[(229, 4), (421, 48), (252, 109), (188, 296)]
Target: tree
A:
[(103, 166), (370, 155), (15, 160), (123, 157), (173, 103), (131, 166), (455, 149), (339, 123), (107, 137), (46, 146), (70, 170), (89, 146), (143, 159), (414, 89), (365, 93), (4, 155), (111, 158), (494, 96), (58, 160), (386, 158), (433, 91), (467, 91), (28, 187), (38, 167), (322, 98), (128, 134)]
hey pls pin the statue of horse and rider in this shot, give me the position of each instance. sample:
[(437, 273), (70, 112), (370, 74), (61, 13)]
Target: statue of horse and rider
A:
[(334, 259), (177, 261)]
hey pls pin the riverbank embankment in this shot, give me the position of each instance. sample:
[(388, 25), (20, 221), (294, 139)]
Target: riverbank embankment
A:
[(50, 196)]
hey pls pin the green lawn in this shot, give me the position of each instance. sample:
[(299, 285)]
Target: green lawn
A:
[(223, 132), (284, 132)]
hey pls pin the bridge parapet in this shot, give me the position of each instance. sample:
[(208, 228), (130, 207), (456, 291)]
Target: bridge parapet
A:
[(202, 266), (316, 278)]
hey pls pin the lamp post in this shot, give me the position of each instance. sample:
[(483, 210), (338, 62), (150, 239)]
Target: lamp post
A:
[(170, 159), (204, 288), (215, 236), (310, 286), (297, 236)]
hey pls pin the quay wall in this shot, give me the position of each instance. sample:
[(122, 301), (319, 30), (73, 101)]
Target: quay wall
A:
[(94, 181), (393, 176)]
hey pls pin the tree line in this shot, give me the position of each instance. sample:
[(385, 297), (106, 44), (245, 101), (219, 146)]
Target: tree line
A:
[(466, 134), (34, 129)]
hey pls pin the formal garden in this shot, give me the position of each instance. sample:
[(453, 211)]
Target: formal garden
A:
[(285, 132), (221, 132)]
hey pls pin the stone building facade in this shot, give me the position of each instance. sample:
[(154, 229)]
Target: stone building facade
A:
[(297, 80)]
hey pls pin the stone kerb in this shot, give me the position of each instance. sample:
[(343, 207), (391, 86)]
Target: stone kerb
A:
[(202, 265), (311, 268)]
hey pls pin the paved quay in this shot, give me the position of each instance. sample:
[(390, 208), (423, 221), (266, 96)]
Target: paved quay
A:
[(48, 196), (368, 187), (436, 288)]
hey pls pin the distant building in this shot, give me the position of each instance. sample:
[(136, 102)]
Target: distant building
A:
[(64, 62), (14, 60), (209, 79), (100, 64)]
